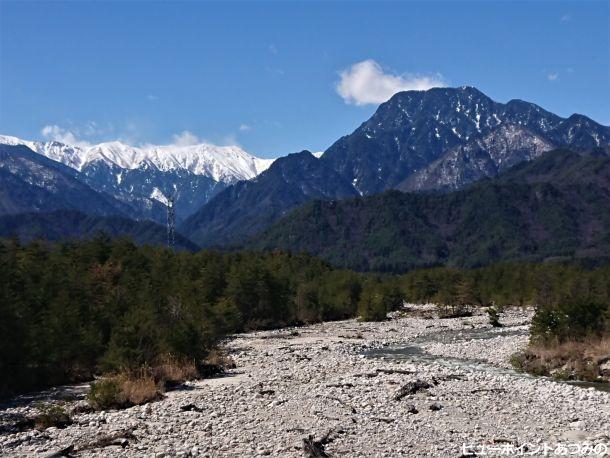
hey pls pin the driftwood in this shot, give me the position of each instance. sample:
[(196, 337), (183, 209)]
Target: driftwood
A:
[(411, 388), (383, 419), (384, 371), (489, 390), (67, 452), (394, 371), (116, 438), (315, 448), (340, 385)]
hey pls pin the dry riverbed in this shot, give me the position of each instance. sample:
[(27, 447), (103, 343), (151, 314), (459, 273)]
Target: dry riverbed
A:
[(351, 382)]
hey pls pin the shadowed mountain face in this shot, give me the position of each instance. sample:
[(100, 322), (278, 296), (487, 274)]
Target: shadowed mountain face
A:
[(553, 206), (247, 207), (437, 140), (30, 182)]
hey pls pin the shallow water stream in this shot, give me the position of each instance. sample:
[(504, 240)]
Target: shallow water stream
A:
[(415, 353)]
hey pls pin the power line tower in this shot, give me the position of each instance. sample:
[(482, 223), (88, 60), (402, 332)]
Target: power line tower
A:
[(171, 223)]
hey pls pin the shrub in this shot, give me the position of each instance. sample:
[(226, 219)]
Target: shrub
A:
[(371, 307), (51, 415), (107, 393), (453, 310), (494, 317), (572, 318), (377, 299)]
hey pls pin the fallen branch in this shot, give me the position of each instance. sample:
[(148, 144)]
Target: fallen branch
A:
[(340, 385), (395, 371), (383, 419), (384, 371), (117, 438), (67, 452), (411, 388), (191, 408), (493, 390)]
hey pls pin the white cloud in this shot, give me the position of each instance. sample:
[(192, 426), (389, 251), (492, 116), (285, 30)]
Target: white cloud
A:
[(565, 18), (152, 97), (185, 138), (272, 49), (244, 127), (59, 134), (366, 83), (552, 76)]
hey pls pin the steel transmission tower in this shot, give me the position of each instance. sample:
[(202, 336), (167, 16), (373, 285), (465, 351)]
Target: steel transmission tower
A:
[(171, 224)]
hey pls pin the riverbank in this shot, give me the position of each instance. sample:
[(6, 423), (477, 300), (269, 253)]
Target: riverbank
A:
[(316, 380)]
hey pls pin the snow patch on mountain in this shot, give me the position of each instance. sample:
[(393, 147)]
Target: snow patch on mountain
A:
[(157, 195)]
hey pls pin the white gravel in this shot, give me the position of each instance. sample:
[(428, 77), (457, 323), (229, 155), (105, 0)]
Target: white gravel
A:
[(287, 387)]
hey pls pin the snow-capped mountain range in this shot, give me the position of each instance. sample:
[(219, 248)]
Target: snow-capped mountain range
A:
[(221, 163), (142, 176)]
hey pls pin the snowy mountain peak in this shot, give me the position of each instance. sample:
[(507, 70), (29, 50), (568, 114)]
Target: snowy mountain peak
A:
[(221, 163)]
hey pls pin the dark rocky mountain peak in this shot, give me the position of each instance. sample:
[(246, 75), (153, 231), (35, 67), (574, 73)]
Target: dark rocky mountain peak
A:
[(441, 139)]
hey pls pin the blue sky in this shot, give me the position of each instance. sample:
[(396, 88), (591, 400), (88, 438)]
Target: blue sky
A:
[(265, 75)]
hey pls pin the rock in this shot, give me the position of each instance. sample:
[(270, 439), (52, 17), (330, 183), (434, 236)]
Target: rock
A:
[(604, 368), (579, 424)]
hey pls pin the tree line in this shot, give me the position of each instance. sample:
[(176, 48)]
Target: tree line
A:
[(74, 309), (572, 301)]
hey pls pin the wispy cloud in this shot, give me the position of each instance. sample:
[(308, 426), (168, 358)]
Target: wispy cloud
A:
[(80, 134), (185, 138), (91, 133), (152, 97), (565, 18), (59, 134), (366, 82), (552, 76), (272, 49)]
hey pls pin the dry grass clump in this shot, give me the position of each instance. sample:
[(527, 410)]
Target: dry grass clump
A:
[(221, 359), (123, 390), (140, 390), (171, 371), (136, 387), (586, 359)]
